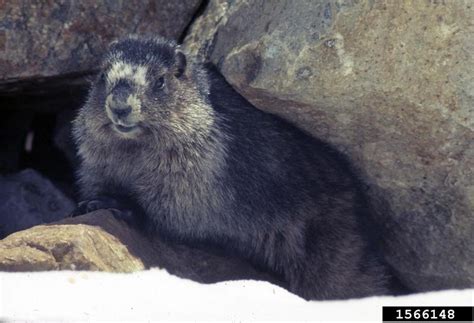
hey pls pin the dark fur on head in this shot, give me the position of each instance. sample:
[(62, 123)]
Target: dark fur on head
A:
[(207, 168)]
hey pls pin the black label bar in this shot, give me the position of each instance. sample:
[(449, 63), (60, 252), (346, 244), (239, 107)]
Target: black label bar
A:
[(427, 314)]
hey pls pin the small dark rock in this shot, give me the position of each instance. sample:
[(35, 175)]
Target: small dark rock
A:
[(304, 72), (28, 199)]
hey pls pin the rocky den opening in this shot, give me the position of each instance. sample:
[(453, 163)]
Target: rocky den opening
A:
[(37, 155)]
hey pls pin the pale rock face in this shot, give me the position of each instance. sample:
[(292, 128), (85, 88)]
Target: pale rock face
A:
[(390, 83)]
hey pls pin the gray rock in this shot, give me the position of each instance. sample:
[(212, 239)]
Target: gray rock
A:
[(391, 84), (28, 199), (41, 39)]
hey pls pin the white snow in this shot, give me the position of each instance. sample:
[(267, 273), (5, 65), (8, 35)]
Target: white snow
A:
[(156, 295)]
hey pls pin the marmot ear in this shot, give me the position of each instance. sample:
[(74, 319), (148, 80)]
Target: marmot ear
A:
[(179, 63)]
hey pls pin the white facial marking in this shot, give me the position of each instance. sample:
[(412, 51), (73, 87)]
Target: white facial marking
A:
[(135, 103), (140, 75), (108, 101), (122, 70)]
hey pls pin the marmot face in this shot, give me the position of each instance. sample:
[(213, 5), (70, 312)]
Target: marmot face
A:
[(144, 89)]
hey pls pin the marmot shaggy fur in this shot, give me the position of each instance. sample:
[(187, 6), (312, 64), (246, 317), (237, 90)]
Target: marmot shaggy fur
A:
[(202, 166)]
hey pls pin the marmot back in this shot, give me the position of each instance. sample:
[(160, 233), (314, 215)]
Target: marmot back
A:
[(203, 166)]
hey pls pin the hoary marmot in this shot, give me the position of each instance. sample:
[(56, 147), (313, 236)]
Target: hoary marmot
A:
[(202, 166)]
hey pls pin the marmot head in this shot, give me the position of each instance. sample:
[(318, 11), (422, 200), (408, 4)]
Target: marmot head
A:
[(147, 86)]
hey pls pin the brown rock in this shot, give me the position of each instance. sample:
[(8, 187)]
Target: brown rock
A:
[(68, 246), (98, 241), (389, 83), (41, 39)]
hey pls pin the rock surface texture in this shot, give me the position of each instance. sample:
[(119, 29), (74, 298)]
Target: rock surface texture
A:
[(39, 39), (28, 199), (50, 247), (390, 83), (69, 246), (98, 241)]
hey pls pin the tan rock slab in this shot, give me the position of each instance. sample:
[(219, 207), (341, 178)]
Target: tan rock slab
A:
[(67, 247)]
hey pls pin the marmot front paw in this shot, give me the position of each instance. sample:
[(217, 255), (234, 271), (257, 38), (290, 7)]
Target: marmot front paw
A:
[(118, 209)]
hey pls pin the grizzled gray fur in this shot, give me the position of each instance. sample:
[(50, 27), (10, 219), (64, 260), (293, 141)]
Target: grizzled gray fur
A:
[(201, 166)]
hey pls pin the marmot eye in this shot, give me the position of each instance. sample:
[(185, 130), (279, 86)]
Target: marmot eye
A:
[(159, 83), (102, 76)]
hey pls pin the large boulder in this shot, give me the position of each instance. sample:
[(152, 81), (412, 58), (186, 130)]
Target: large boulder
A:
[(391, 84), (40, 39)]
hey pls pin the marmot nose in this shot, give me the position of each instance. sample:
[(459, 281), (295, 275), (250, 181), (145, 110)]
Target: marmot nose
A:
[(121, 111), (119, 97)]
